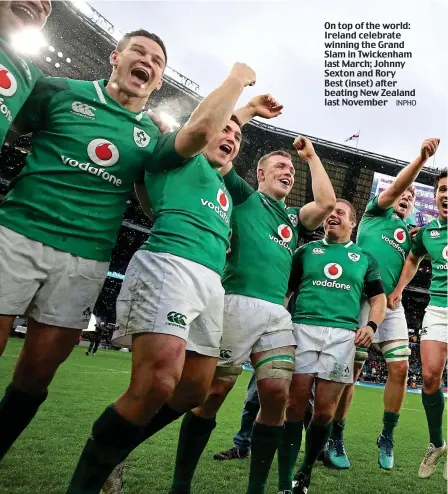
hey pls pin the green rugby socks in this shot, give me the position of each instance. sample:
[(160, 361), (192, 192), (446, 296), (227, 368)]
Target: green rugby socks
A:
[(434, 405)]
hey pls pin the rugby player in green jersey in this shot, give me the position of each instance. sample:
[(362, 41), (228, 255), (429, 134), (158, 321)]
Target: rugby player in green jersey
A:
[(331, 275), (17, 76), (170, 306), (383, 233), (60, 221), (432, 240), (257, 326)]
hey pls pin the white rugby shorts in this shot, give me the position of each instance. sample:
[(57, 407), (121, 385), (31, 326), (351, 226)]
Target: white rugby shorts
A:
[(166, 294), (434, 327), (328, 353), (394, 326), (51, 286), (252, 325)]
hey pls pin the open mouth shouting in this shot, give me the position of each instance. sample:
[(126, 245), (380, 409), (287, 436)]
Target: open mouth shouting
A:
[(286, 182), (139, 76), (444, 206), (226, 149), (25, 12), (332, 223), (403, 205)]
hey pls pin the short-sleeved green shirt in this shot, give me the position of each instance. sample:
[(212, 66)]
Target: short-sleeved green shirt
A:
[(432, 239), (87, 152), (192, 210), (17, 79), (384, 235), (331, 279), (265, 234)]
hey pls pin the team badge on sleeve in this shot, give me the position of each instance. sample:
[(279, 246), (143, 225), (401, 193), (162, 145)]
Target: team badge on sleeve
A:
[(141, 138)]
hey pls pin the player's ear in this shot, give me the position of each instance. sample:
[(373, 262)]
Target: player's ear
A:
[(352, 224), (159, 84), (113, 59), (260, 174)]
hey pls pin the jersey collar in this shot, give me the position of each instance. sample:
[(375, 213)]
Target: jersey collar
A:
[(347, 245), (103, 96), (441, 223)]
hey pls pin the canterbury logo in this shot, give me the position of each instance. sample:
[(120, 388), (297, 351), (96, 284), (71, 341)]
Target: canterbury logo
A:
[(177, 318), (83, 109)]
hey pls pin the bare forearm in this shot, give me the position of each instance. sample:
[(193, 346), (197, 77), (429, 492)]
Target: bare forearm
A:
[(245, 114), (323, 191), (408, 272), (407, 176), (377, 308), (212, 115)]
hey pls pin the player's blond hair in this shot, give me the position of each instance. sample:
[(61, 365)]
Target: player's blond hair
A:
[(350, 205), (263, 159)]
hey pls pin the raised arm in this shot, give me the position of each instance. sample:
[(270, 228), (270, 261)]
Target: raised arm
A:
[(314, 213), (212, 115), (407, 176)]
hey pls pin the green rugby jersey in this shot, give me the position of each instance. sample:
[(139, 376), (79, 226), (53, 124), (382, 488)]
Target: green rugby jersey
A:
[(331, 280), (87, 152), (265, 234), (384, 234), (17, 79), (192, 210), (432, 239)]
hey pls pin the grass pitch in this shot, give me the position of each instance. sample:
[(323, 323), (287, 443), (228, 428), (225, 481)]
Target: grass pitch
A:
[(43, 458)]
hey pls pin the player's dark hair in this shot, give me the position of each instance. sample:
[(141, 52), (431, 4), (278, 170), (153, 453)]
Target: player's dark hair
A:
[(352, 208), (440, 175), (235, 119), (121, 45), (264, 158)]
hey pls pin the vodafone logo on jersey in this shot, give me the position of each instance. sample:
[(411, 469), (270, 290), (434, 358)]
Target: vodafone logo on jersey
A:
[(400, 235), (445, 253), (333, 271), (223, 200), (8, 83), (285, 233), (103, 153)]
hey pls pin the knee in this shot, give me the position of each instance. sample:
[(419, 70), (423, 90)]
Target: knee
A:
[(164, 384), (275, 395), (431, 381), (218, 391), (296, 406), (398, 371)]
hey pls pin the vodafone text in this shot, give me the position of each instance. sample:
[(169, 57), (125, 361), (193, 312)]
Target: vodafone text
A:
[(215, 208), (331, 284), (4, 110), (87, 167), (282, 243), (395, 245)]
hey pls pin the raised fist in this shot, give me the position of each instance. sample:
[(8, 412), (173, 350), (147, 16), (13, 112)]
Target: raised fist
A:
[(243, 73), (304, 147), (429, 147)]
